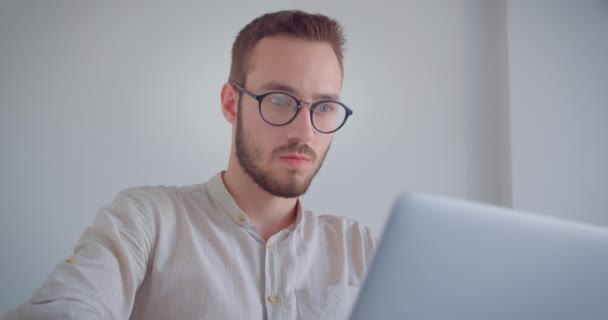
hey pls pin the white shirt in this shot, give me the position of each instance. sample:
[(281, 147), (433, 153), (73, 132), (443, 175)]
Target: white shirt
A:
[(190, 253)]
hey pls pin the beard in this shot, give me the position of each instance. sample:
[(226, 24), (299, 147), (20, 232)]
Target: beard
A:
[(249, 157)]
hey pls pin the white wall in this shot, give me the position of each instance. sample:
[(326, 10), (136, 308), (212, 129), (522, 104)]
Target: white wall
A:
[(99, 96), (558, 53)]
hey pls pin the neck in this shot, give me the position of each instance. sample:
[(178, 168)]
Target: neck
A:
[(269, 213)]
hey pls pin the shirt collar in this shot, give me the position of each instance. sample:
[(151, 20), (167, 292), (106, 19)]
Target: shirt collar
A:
[(217, 190)]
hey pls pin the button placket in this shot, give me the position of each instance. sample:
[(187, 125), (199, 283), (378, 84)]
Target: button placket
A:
[(273, 284)]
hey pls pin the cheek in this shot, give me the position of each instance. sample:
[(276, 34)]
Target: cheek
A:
[(263, 138), (323, 144)]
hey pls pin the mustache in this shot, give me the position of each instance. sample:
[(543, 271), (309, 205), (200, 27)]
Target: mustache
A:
[(296, 148)]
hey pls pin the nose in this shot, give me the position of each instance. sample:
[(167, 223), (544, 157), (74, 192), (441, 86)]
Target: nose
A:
[(301, 128)]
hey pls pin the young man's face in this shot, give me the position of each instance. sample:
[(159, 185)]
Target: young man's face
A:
[(284, 159)]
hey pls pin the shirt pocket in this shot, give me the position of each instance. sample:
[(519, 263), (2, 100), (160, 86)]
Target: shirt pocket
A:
[(331, 302)]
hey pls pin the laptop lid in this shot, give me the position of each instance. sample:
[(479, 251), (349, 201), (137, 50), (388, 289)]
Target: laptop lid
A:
[(442, 258)]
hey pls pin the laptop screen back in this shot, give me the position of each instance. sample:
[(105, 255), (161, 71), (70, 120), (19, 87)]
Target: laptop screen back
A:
[(441, 258)]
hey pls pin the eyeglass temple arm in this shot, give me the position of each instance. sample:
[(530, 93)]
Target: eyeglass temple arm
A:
[(247, 92)]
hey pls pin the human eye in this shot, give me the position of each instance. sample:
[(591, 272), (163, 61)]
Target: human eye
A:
[(279, 100), (325, 107)]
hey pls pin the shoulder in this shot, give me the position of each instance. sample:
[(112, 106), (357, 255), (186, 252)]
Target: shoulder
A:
[(346, 230), (341, 224), (153, 205), (160, 195)]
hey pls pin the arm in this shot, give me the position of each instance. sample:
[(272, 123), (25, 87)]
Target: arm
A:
[(109, 263)]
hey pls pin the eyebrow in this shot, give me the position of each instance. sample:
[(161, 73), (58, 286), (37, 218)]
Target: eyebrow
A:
[(273, 85)]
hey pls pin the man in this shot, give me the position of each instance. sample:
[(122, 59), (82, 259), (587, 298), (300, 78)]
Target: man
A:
[(239, 246)]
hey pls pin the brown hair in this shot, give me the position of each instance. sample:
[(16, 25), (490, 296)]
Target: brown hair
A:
[(296, 23)]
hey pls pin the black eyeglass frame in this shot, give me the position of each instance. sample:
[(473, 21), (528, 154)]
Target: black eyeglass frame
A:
[(313, 105)]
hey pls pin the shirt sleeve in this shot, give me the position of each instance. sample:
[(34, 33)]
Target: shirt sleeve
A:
[(109, 263)]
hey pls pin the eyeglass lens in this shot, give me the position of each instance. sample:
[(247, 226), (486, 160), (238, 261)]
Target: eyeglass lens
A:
[(279, 109)]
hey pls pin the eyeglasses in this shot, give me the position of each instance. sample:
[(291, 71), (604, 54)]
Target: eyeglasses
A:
[(280, 108)]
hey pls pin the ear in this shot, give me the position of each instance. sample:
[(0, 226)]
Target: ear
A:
[(229, 98)]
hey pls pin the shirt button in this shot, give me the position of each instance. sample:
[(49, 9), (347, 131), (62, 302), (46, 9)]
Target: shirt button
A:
[(71, 260), (273, 299), (269, 245), (240, 217)]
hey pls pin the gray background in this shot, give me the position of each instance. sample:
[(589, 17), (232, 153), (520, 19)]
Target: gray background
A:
[(498, 101)]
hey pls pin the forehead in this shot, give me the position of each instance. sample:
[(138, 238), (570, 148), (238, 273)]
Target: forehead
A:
[(309, 66)]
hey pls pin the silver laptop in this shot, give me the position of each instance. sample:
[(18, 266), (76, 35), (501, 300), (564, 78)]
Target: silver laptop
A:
[(441, 258)]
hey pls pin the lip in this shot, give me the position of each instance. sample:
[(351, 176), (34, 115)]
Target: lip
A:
[(295, 160)]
